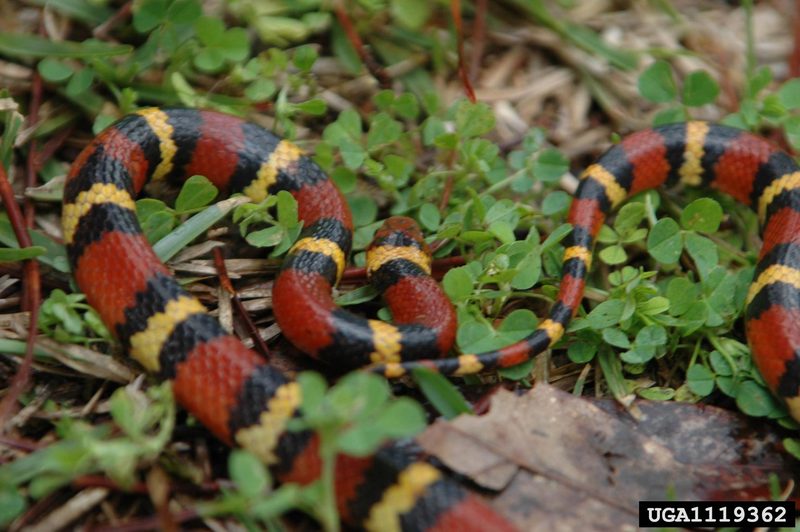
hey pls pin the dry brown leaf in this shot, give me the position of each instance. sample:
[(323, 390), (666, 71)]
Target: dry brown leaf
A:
[(565, 462)]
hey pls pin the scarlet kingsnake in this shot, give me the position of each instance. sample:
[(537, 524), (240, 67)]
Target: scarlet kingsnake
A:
[(245, 401)]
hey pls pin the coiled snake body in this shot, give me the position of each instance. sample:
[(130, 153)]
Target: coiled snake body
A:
[(247, 402)]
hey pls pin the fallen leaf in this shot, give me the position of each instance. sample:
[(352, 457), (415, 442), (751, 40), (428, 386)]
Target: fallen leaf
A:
[(564, 462)]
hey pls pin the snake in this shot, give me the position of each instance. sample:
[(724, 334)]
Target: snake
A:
[(245, 401)]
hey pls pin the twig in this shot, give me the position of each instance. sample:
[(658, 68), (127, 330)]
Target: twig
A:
[(20, 444), (78, 505), (32, 163), (225, 281), (148, 523), (101, 31), (53, 144), (32, 281), (355, 39), (794, 59), (455, 9), (478, 37)]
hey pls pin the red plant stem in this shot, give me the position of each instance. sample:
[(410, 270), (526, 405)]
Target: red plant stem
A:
[(355, 39), (30, 302), (225, 281), (794, 59), (478, 36), (147, 523), (32, 164), (101, 31), (455, 9)]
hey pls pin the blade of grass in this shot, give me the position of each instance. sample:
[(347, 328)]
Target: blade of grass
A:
[(56, 255), (90, 13), (20, 45), (441, 393), (167, 247)]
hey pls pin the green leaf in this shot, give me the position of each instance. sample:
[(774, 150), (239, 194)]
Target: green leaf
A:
[(754, 400), (612, 371), (792, 445), (670, 115), (529, 269), (56, 253), (640, 354), (260, 90), (759, 81), (445, 397), (457, 283), (360, 295), (700, 380), (682, 293), (699, 89), (235, 44), (613, 255), (167, 247), (429, 216), (184, 11), (123, 410), (411, 13), (720, 364), (27, 46), (304, 57), (704, 253), (86, 11), (657, 84), (789, 93), (150, 13), (582, 351), (248, 473), (558, 234), (197, 192), (629, 217), (344, 178), (313, 107), (616, 337), (791, 126), (158, 225), (54, 70), (287, 209), (146, 207), (406, 106), (651, 335), (473, 119), (313, 387), (267, 237), (364, 209), (12, 504), (383, 129), (605, 314), (209, 59), (350, 121), (656, 393), (360, 440), (353, 154), (80, 83), (550, 165), (664, 243), (14, 255), (555, 202), (402, 418), (502, 231), (704, 215)]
